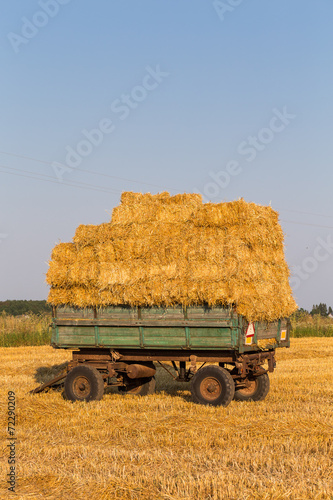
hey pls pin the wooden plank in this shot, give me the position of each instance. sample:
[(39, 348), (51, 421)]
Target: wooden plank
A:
[(115, 332), (203, 332), (144, 323), (164, 337), (118, 313), (266, 330), (124, 336), (67, 312), (135, 336), (152, 313), (76, 336), (211, 337), (162, 313), (205, 313)]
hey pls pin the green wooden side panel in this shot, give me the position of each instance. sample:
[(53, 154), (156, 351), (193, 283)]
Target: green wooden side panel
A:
[(162, 313), (160, 328), (202, 313), (67, 312), (164, 337), (210, 337), (74, 335), (118, 312), (167, 338), (124, 336), (267, 330)]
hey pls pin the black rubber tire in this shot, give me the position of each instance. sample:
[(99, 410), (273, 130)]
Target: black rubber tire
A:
[(139, 387), (84, 383), (258, 392), (212, 385)]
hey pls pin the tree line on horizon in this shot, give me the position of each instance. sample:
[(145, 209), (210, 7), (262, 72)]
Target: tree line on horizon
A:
[(320, 309), (20, 307)]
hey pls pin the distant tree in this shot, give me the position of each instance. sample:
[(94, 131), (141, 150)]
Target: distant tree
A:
[(302, 311), (320, 309), (300, 314), (330, 311), (18, 307)]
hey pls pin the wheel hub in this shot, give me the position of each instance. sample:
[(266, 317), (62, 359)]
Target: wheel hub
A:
[(81, 387), (210, 388)]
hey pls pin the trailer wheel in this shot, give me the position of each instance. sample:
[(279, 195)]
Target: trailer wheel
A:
[(139, 387), (84, 383), (257, 390), (212, 385)]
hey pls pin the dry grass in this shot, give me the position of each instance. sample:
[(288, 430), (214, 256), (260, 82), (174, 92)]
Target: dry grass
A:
[(29, 329), (306, 325), (165, 447)]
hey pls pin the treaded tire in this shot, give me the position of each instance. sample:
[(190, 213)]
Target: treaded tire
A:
[(258, 391), (212, 385), (84, 383), (139, 387)]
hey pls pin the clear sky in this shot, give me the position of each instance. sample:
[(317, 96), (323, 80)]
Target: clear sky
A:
[(231, 99)]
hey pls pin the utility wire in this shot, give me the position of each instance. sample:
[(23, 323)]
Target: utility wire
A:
[(86, 171), (305, 213), (108, 190), (48, 178), (306, 224)]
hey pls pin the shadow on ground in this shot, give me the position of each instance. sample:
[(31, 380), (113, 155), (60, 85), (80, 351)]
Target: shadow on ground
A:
[(164, 382), (45, 373)]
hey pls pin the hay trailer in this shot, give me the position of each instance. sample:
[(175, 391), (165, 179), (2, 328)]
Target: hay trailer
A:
[(223, 356)]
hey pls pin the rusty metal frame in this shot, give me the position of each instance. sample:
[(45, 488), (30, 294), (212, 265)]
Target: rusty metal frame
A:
[(48, 384), (114, 363)]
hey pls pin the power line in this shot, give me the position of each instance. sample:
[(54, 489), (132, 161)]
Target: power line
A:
[(84, 185), (305, 213), (48, 178), (86, 171), (306, 224)]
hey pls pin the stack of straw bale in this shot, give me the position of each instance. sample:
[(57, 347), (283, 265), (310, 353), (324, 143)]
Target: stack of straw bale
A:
[(162, 250)]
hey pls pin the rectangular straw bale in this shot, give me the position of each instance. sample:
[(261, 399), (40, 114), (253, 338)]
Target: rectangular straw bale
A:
[(114, 273), (140, 209), (74, 296), (254, 223), (85, 297), (64, 252), (62, 258), (57, 274), (105, 252), (60, 296), (85, 235), (84, 271), (166, 250), (92, 235)]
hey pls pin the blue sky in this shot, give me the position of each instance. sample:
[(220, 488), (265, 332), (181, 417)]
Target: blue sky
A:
[(230, 98)]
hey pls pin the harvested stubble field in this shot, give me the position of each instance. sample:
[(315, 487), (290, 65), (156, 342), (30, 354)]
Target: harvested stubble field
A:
[(164, 446)]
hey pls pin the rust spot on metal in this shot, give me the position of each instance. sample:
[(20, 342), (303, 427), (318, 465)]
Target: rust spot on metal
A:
[(210, 388)]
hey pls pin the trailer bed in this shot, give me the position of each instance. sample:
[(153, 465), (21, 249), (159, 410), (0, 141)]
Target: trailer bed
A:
[(154, 328)]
